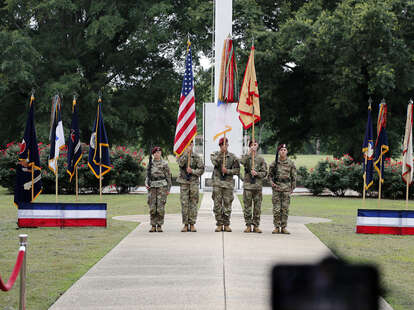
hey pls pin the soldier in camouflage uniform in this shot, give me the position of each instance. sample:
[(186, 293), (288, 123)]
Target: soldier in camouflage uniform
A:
[(190, 172), (252, 187), (223, 184), (282, 177), (158, 189)]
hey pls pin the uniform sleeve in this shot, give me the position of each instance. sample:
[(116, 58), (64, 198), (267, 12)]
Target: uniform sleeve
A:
[(263, 170), (167, 173), (215, 159), (293, 176), (182, 160), (244, 159), (270, 175), (199, 170), (235, 168)]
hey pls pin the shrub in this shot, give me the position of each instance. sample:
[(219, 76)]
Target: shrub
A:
[(126, 173), (127, 170), (341, 174), (8, 159)]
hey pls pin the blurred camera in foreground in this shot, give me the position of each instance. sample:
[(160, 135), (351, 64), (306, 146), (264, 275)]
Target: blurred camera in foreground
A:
[(330, 285)]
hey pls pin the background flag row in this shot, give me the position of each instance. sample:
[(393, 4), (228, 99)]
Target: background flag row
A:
[(56, 136), (368, 151), (28, 172), (74, 145)]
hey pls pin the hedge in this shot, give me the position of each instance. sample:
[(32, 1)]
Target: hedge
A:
[(127, 171)]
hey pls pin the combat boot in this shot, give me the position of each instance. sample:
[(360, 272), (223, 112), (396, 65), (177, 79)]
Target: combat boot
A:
[(219, 228), (256, 229), (159, 229), (227, 228), (185, 228), (192, 228), (276, 230), (285, 231), (248, 229), (153, 229)]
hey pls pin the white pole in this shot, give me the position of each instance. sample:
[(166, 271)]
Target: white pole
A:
[(223, 24), (22, 295)]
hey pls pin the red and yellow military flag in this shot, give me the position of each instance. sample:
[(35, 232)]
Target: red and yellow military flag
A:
[(248, 106)]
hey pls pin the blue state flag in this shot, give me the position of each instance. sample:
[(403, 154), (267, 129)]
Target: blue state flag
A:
[(99, 146), (368, 151), (74, 145), (381, 145), (29, 160)]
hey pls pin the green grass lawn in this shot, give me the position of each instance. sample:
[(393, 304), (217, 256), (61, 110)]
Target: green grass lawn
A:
[(393, 255), (58, 257)]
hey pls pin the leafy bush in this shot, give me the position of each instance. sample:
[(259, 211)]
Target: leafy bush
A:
[(341, 174), (8, 159), (126, 173)]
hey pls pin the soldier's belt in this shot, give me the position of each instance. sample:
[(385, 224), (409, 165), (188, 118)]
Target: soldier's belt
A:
[(157, 178), (159, 183), (283, 180)]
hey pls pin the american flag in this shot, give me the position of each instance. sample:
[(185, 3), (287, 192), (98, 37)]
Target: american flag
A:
[(186, 121)]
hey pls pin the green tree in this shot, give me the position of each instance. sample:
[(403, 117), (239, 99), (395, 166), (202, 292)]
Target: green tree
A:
[(129, 50), (342, 55)]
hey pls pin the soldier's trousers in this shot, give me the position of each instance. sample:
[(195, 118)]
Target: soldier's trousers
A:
[(157, 197), (189, 202), (252, 200), (222, 197), (281, 202)]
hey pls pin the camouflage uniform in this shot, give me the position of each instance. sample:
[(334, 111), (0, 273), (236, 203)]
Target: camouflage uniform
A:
[(223, 186), (157, 193), (189, 185), (285, 180), (252, 190)]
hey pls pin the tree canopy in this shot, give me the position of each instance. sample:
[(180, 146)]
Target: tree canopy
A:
[(317, 63)]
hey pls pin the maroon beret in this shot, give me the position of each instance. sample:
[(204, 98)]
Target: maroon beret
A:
[(282, 145), (221, 141), (156, 149)]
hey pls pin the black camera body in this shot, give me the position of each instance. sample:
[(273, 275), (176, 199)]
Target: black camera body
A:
[(330, 285)]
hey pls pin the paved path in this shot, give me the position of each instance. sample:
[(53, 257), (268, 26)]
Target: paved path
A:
[(203, 270)]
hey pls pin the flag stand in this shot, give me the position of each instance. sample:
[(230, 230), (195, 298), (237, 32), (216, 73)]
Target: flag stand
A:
[(406, 197), (100, 171), (76, 182), (365, 182), (56, 181), (380, 181), (32, 182)]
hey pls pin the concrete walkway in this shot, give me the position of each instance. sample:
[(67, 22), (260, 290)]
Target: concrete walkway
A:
[(203, 270)]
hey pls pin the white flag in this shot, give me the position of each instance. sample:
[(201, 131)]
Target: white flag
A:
[(57, 138), (407, 162)]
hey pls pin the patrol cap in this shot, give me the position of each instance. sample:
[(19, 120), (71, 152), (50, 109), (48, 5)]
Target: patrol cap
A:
[(282, 145), (221, 141), (156, 149)]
